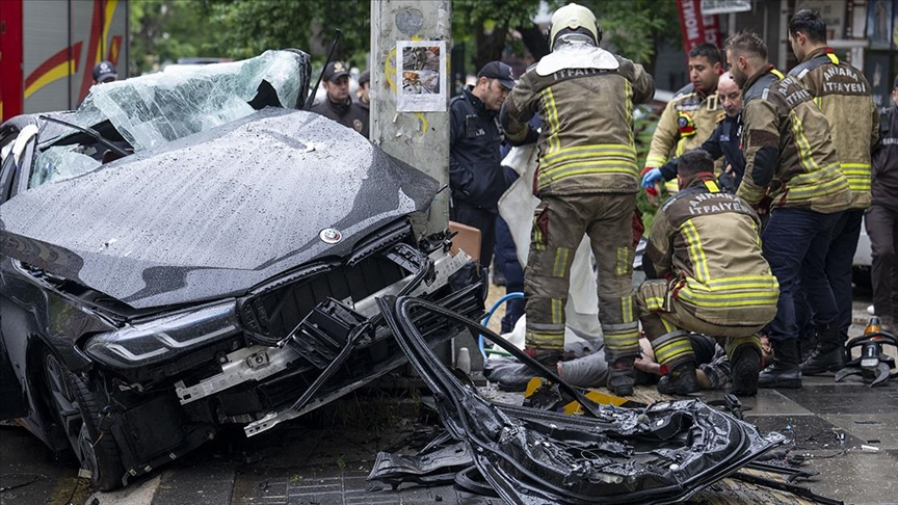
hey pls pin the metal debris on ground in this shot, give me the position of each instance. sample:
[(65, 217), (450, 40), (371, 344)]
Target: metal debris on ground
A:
[(664, 452)]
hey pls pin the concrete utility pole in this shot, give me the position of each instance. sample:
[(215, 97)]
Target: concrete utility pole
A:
[(420, 139)]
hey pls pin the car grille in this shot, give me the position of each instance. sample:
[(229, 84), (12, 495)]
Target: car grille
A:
[(272, 313)]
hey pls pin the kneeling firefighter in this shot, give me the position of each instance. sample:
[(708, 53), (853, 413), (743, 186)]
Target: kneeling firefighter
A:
[(586, 182), (705, 246)]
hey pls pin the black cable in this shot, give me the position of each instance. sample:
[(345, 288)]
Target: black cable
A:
[(35, 477)]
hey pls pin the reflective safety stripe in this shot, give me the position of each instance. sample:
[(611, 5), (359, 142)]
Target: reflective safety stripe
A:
[(545, 339), (830, 171), (736, 282), (620, 341), (777, 73), (552, 119), (623, 263), (721, 300), (559, 269), (734, 343), (679, 349), (587, 152), (696, 253), (750, 194), (628, 103), (587, 167), (858, 175), (557, 310), (655, 161), (820, 190), (626, 308), (805, 155), (833, 58), (545, 327), (667, 326), (712, 186), (654, 303)]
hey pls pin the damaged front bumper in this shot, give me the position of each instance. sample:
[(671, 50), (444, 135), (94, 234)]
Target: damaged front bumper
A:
[(234, 362)]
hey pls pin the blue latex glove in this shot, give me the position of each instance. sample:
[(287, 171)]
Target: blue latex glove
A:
[(651, 177)]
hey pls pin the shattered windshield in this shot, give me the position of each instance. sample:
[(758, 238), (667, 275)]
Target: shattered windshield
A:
[(153, 109)]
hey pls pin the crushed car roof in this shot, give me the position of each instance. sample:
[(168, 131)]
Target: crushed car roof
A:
[(214, 213)]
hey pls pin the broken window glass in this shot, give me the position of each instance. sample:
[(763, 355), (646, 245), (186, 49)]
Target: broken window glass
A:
[(157, 108), (59, 163)]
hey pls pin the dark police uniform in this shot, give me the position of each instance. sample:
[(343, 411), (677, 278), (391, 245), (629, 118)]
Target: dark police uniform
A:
[(726, 141), (476, 178)]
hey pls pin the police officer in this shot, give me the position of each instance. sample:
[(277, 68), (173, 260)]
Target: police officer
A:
[(337, 105), (712, 279), (791, 167), (882, 218), (104, 72), (587, 183), (690, 118), (476, 176), (726, 141), (844, 96)]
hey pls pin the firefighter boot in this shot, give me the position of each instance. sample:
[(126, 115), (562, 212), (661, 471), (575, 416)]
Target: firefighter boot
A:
[(829, 356), (745, 362), (784, 373), (621, 377), (674, 353), (679, 381)]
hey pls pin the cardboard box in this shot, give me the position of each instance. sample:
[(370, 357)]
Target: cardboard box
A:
[(467, 239)]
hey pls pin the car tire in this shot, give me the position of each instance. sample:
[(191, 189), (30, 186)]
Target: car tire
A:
[(73, 406)]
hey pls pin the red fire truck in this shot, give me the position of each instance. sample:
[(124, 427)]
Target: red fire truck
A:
[(48, 49)]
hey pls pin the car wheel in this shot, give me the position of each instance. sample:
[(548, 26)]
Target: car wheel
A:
[(74, 406)]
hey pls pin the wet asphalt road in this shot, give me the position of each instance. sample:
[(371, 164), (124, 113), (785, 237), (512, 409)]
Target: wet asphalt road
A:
[(325, 460)]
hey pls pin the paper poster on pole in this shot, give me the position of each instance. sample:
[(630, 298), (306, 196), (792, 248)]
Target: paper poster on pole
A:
[(421, 76)]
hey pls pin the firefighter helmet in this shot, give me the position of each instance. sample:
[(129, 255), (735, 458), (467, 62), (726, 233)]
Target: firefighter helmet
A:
[(574, 18)]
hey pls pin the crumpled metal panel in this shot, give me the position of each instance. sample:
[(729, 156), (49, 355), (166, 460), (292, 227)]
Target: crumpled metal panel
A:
[(663, 453), (215, 213)]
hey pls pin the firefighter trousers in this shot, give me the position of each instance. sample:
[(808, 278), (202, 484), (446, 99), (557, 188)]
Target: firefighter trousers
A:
[(663, 316), (559, 224)]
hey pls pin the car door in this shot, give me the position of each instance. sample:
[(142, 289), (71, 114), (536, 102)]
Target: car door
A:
[(17, 149)]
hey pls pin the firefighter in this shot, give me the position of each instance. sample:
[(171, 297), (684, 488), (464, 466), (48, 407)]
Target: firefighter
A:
[(845, 98), (705, 251), (726, 141), (693, 114), (791, 168), (586, 181)]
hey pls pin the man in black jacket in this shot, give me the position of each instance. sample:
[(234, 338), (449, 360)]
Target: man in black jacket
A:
[(881, 219), (476, 177), (337, 105), (725, 141)]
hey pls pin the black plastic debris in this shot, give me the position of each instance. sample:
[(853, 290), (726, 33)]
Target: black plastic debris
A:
[(662, 453)]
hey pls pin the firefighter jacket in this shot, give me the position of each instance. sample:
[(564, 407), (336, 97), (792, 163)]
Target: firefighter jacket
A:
[(885, 162), (687, 121), (586, 134), (844, 95), (706, 243), (790, 161)]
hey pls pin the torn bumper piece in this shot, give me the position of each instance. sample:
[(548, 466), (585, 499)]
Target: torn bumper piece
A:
[(663, 453)]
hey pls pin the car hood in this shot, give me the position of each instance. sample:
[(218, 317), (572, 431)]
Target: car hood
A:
[(215, 213)]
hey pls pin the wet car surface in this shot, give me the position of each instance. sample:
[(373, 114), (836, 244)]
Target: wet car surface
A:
[(184, 253)]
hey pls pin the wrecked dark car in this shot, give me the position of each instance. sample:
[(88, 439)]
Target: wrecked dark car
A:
[(189, 251)]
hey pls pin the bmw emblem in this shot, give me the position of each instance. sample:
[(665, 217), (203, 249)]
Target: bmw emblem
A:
[(330, 236)]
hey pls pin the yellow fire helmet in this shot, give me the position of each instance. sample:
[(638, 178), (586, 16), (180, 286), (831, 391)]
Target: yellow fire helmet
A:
[(573, 18)]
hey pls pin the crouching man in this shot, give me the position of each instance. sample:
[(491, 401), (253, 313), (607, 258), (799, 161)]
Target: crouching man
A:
[(708, 276)]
